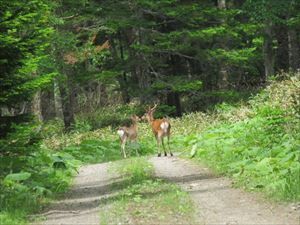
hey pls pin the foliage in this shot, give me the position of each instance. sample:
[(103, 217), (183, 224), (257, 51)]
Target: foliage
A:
[(258, 144), (24, 37), (30, 174), (33, 186)]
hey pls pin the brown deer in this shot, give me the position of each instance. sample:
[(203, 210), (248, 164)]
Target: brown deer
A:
[(128, 133), (161, 128)]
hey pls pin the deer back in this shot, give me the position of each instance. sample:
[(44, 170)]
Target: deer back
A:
[(129, 132), (162, 126)]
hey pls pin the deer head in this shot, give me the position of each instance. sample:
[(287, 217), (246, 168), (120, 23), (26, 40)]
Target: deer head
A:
[(135, 118), (148, 116)]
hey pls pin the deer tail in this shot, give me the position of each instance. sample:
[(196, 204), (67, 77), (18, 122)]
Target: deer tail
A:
[(164, 126), (120, 132)]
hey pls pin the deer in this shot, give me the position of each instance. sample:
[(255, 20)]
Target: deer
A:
[(128, 133), (161, 128)]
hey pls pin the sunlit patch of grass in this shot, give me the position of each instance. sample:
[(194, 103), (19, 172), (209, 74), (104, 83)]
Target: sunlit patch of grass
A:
[(12, 218), (133, 170), (148, 202), (144, 199)]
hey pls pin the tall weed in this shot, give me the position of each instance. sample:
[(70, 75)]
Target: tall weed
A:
[(257, 144)]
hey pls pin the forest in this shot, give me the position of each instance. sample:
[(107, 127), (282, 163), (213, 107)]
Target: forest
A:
[(225, 74)]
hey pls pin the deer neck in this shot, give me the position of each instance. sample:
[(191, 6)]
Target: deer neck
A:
[(134, 124), (151, 120)]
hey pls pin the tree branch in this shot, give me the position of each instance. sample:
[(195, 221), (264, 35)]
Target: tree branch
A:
[(177, 53), (14, 15), (70, 17)]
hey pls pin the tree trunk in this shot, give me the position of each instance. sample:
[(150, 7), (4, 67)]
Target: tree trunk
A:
[(36, 105), (294, 60), (282, 61), (189, 72), (104, 96), (140, 69), (222, 4), (124, 88), (268, 49), (57, 100), (67, 97), (47, 105), (173, 99), (223, 78), (122, 79)]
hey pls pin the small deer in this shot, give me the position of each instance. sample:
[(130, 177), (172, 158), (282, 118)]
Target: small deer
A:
[(128, 133), (161, 128)]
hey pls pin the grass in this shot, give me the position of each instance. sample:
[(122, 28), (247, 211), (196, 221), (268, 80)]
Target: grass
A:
[(12, 218), (144, 199)]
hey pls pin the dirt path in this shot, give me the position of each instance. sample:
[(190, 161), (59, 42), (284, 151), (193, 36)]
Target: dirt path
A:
[(81, 204), (216, 201)]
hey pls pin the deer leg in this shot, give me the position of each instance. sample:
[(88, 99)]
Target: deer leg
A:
[(129, 146), (163, 144), (134, 145), (158, 146), (121, 142), (136, 149), (169, 145), (123, 147)]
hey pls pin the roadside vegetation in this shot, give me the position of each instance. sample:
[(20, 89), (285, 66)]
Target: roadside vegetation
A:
[(257, 143)]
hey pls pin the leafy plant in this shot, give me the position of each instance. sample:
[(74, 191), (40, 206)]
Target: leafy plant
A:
[(260, 150)]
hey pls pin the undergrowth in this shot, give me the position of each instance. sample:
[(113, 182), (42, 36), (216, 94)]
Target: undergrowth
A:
[(258, 143), (30, 175)]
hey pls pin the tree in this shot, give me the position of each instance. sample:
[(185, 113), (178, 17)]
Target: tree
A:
[(24, 37), (274, 14)]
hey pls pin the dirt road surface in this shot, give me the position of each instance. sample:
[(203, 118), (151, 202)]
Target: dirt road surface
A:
[(216, 201), (80, 206)]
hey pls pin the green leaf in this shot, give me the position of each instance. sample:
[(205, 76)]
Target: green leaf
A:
[(17, 176), (194, 150)]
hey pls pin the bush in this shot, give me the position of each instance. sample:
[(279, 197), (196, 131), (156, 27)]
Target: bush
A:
[(28, 173), (259, 149)]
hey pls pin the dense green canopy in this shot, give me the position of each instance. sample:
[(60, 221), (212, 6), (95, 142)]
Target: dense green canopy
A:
[(185, 54)]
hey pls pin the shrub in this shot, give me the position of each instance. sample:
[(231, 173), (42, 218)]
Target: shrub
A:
[(261, 148)]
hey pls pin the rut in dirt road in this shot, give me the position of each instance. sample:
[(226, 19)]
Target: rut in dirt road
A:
[(80, 205), (216, 201)]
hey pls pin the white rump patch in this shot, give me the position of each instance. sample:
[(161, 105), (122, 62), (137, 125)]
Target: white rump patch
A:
[(164, 126), (120, 133)]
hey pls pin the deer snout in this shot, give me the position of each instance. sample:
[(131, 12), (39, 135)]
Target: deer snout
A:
[(144, 118)]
